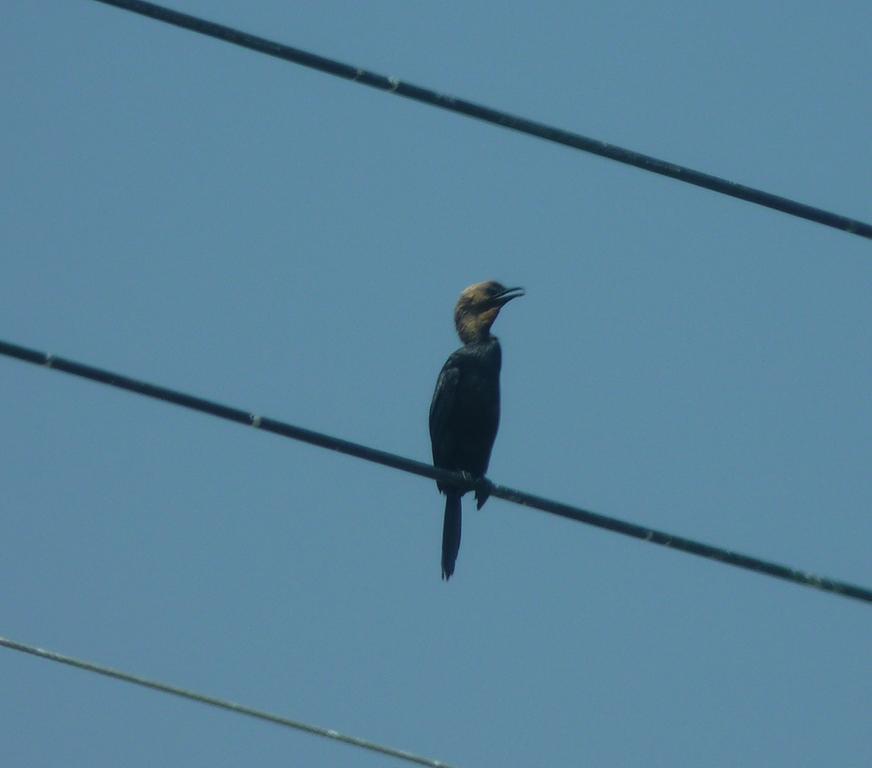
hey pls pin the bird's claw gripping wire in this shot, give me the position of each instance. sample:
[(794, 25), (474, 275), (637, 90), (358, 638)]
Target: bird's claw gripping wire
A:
[(480, 485), (483, 488)]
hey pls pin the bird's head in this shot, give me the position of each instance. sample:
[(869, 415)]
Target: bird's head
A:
[(478, 307)]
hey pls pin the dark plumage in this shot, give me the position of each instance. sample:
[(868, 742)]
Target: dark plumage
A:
[(465, 411)]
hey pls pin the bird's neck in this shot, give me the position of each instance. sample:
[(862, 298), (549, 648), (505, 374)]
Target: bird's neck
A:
[(476, 329), (474, 335)]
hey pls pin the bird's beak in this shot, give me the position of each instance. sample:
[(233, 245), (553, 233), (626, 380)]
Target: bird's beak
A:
[(507, 295)]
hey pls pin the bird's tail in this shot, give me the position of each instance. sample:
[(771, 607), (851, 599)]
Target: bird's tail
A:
[(450, 534)]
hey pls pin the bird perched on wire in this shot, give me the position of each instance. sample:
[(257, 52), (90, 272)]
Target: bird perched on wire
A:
[(465, 411)]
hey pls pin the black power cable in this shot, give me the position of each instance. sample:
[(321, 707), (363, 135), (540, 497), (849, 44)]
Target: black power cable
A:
[(426, 470), (495, 116)]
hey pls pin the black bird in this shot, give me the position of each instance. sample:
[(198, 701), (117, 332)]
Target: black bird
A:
[(465, 411)]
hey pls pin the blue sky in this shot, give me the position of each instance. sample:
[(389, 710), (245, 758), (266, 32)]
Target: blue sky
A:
[(233, 226)]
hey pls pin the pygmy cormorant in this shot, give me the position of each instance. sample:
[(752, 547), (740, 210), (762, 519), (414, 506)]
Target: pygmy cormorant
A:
[(465, 411)]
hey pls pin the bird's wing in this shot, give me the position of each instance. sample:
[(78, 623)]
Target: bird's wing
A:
[(441, 407)]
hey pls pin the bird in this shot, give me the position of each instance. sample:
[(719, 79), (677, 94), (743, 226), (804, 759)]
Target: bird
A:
[(465, 410)]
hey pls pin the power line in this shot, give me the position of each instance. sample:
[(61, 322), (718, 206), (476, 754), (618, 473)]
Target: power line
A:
[(494, 116), (239, 709), (426, 470)]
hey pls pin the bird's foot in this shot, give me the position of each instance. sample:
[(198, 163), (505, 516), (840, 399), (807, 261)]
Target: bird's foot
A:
[(470, 479), (482, 494)]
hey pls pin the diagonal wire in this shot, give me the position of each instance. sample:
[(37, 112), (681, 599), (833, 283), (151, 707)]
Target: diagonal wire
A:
[(495, 116), (239, 709), (459, 480)]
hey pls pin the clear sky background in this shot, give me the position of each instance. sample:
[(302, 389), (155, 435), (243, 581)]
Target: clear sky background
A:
[(214, 220)]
